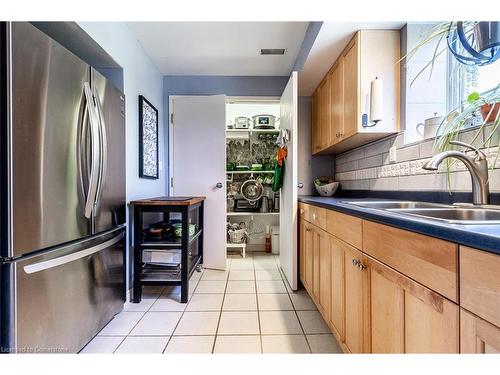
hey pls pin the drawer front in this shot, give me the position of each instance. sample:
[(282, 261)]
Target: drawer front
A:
[(304, 211), (430, 261), (317, 216), (346, 227), (480, 283)]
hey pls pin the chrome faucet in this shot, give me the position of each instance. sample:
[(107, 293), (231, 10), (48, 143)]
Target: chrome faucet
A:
[(477, 166)]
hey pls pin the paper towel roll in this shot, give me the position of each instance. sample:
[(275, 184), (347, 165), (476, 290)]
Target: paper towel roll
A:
[(377, 100)]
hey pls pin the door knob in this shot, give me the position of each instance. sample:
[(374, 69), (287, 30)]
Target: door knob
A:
[(219, 185), (300, 185)]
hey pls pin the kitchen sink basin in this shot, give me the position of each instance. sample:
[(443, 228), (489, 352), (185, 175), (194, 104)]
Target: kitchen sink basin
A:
[(386, 205), (458, 215)]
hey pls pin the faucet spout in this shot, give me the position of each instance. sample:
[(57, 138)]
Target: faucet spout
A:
[(478, 169)]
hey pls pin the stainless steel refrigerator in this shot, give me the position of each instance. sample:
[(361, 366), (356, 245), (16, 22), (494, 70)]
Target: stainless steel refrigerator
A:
[(62, 201)]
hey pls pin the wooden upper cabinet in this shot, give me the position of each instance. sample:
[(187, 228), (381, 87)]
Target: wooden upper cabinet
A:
[(351, 88), (477, 336), (325, 113), (337, 102), (315, 123), (369, 54)]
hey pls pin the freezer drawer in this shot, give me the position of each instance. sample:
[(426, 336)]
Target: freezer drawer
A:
[(63, 298)]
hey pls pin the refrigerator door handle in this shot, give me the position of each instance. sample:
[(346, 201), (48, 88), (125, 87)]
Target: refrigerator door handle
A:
[(103, 148), (94, 169), (51, 263)]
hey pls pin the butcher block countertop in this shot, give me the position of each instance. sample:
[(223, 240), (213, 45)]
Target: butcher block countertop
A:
[(168, 201)]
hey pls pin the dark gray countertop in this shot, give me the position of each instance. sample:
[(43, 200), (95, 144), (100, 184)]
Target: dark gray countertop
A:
[(484, 237)]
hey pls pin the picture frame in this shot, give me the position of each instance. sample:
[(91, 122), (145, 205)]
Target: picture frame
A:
[(148, 139)]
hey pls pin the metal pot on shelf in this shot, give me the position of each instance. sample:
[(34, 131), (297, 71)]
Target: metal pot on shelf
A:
[(264, 121)]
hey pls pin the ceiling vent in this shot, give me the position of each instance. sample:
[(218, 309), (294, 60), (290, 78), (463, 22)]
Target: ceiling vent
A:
[(272, 51)]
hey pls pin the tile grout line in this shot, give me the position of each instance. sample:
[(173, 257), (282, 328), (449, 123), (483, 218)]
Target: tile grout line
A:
[(135, 325), (221, 307), (183, 311)]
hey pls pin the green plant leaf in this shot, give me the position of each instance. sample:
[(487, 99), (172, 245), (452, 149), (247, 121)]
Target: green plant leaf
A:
[(473, 96)]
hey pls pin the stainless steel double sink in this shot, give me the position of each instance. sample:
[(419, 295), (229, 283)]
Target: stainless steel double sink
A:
[(452, 214)]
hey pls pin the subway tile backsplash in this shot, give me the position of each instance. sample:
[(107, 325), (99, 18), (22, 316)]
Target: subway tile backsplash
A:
[(368, 167)]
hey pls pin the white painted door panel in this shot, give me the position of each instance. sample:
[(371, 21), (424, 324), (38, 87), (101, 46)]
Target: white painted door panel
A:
[(198, 152), (288, 196)]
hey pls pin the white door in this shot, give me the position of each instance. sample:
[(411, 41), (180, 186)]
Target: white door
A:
[(198, 165), (288, 196)]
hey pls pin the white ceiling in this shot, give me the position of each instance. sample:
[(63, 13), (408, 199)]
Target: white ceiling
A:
[(220, 48), (329, 43)]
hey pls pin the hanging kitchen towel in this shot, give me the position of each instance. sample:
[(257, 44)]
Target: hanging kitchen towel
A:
[(279, 168)]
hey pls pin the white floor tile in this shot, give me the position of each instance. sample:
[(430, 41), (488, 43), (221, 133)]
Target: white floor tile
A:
[(197, 323), (323, 344), (214, 275), (279, 323), (205, 287), (302, 301), (270, 286), (103, 344), (122, 324), (143, 306), (241, 275), (312, 322), (267, 275), (240, 287), (238, 323), (153, 345), (168, 302), (285, 344), (237, 344), (190, 345), (274, 302), (242, 264), (195, 277), (156, 324), (205, 302), (266, 266), (240, 302)]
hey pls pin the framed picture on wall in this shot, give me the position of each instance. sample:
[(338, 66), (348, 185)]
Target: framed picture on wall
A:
[(148, 139)]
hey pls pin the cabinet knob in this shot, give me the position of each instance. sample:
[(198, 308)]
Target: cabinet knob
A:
[(301, 210), (355, 262), (314, 216), (361, 266)]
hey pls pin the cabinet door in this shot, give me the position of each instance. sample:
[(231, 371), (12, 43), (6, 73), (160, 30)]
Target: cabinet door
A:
[(477, 335), (325, 113), (337, 288), (356, 301), (407, 317), (316, 244), (351, 89), (315, 118), (302, 254), (308, 257), (325, 273), (337, 101)]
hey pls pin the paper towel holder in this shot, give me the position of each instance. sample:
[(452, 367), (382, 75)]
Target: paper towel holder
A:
[(364, 118)]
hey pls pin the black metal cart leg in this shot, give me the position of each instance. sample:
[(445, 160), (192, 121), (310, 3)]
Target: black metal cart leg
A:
[(185, 255), (137, 292)]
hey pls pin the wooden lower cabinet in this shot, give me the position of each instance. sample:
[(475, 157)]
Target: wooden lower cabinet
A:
[(477, 335), (337, 288), (325, 274), (407, 317), (357, 300)]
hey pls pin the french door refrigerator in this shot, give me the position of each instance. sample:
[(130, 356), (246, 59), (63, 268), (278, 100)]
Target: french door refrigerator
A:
[(62, 202)]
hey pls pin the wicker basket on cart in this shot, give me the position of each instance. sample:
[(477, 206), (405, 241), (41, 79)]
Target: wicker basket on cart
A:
[(237, 235)]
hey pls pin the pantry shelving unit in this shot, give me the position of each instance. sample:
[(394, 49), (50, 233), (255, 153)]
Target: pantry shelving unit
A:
[(190, 247)]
